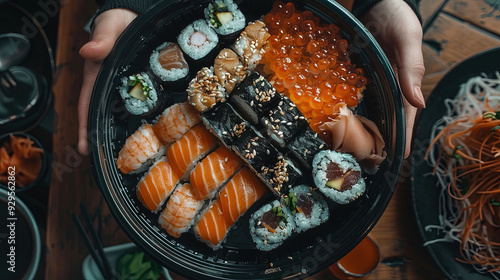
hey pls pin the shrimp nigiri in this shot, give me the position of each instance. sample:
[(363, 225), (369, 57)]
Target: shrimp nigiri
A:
[(175, 121)]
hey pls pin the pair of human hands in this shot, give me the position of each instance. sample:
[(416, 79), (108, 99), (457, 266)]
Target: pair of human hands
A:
[(392, 22)]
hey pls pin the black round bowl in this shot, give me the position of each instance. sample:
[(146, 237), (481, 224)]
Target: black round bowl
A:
[(45, 161), (425, 192), (301, 255)]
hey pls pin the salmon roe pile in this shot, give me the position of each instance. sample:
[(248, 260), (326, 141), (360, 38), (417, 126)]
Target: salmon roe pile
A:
[(309, 63)]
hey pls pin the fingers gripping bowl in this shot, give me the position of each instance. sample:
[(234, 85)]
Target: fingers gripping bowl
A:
[(238, 258)]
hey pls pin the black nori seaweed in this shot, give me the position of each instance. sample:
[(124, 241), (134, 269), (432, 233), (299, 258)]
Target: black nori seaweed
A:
[(223, 120), (283, 122), (255, 150), (271, 174), (254, 97), (304, 146)]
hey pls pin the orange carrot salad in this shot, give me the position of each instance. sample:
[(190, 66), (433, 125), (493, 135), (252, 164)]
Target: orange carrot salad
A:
[(465, 153)]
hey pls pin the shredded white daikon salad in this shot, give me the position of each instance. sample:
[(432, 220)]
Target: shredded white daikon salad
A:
[(469, 104)]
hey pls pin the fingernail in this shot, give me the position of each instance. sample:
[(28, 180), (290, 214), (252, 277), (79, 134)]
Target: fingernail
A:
[(420, 97)]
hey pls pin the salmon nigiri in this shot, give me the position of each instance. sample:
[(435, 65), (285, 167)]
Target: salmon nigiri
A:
[(239, 194), (212, 227), (138, 149), (213, 171), (157, 185), (175, 121), (186, 152), (180, 211)]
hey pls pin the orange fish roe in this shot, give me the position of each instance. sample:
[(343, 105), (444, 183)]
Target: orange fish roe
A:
[(307, 60)]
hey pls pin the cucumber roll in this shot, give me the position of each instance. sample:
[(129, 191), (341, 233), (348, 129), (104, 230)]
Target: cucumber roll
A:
[(271, 225), (139, 94)]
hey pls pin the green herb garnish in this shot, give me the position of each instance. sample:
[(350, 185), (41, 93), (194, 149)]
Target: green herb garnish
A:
[(455, 155), (137, 266), (493, 130), (291, 202), (494, 202)]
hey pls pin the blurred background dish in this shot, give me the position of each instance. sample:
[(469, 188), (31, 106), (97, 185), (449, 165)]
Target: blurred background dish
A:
[(35, 73), (425, 192)]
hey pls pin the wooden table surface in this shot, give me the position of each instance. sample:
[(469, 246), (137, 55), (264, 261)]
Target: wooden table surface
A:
[(453, 30)]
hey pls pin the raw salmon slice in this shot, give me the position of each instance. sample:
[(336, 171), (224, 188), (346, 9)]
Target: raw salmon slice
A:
[(187, 151), (171, 57), (212, 227), (213, 171), (157, 185), (241, 192)]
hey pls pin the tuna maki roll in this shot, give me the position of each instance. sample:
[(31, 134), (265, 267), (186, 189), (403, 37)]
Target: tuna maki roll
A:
[(168, 63), (271, 225), (254, 97), (225, 17), (139, 94), (283, 122), (307, 206), (198, 41), (204, 91), (225, 123), (338, 176), (304, 146)]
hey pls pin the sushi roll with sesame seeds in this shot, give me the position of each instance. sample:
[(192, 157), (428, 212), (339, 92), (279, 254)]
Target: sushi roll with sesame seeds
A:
[(250, 44), (283, 122), (254, 97), (226, 18), (139, 94), (308, 207), (229, 69), (304, 146), (205, 91), (199, 41), (271, 225), (280, 174), (338, 176), (225, 123), (255, 150)]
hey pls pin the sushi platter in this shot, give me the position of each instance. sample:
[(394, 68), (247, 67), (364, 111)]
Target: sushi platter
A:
[(212, 140)]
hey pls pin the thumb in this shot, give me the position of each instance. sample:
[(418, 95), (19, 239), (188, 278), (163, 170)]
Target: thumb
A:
[(410, 63), (107, 28)]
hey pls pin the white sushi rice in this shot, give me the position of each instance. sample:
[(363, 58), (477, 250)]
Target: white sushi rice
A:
[(164, 74), (234, 25), (263, 238), (134, 105), (319, 213), (345, 162), (196, 52)]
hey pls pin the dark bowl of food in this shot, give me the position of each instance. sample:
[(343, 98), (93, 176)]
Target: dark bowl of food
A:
[(212, 136), (23, 161)]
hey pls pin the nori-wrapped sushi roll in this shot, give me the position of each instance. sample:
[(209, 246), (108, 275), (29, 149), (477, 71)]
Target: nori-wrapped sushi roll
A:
[(271, 225), (225, 123), (338, 176), (139, 94), (254, 97), (199, 41), (280, 175), (167, 62), (308, 207), (304, 146), (255, 150), (283, 122), (226, 18)]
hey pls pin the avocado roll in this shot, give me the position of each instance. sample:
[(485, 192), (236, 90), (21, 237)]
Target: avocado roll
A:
[(226, 18), (139, 94)]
